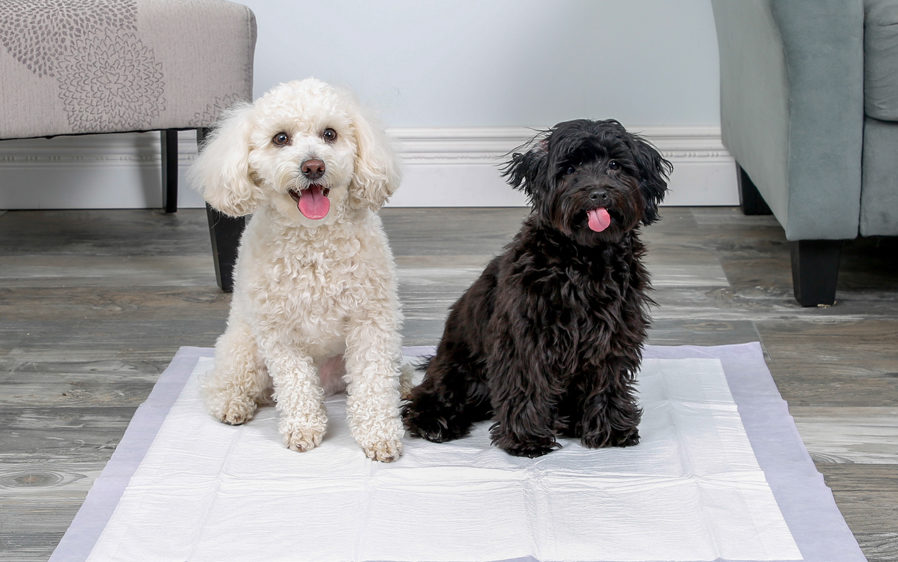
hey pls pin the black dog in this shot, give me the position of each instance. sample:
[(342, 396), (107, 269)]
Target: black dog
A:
[(549, 339)]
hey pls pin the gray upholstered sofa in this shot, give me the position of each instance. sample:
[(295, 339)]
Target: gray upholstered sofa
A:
[(108, 66), (809, 111)]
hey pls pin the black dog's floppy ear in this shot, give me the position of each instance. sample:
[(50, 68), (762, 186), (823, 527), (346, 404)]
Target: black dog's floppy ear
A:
[(653, 173), (522, 169)]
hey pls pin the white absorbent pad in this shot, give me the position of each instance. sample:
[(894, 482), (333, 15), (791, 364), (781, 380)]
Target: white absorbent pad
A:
[(719, 474)]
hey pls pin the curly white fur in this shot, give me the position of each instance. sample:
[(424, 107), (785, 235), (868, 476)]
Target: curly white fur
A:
[(307, 292)]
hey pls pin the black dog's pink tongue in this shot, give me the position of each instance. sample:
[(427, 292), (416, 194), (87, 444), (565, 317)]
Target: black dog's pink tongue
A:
[(599, 219), (313, 204)]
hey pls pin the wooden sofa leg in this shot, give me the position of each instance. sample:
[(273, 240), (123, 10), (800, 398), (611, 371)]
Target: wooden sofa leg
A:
[(815, 271), (169, 151), (750, 198)]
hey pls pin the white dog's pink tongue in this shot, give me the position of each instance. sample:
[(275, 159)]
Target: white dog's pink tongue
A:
[(313, 204), (599, 219)]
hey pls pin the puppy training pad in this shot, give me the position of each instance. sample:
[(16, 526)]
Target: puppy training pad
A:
[(720, 474)]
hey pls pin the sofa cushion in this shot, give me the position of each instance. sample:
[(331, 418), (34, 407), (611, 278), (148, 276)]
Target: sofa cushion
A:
[(881, 59), (879, 194)]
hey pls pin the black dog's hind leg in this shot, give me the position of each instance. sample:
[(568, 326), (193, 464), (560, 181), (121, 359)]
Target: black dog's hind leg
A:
[(448, 401)]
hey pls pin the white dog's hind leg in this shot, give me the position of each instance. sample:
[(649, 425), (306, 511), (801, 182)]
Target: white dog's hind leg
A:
[(406, 379), (299, 398), (372, 401), (331, 372), (239, 381)]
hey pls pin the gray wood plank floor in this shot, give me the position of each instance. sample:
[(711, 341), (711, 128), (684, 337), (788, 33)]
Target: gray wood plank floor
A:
[(94, 304)]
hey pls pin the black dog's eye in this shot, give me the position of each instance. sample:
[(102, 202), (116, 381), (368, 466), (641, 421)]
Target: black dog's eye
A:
[(570, 170), (281, 139), (329, 135), (614, 165)]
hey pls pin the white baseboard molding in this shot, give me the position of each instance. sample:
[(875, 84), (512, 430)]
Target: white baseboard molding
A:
[(441, 167)]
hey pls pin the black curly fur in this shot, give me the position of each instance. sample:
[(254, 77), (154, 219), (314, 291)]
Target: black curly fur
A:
[(548, 340)]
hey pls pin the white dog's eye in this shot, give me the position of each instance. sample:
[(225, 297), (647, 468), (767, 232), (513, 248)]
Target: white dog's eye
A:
[(329, 135), (281, 139)]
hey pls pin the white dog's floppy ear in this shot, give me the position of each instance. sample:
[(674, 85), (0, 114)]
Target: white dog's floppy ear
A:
[(376, 174), (221, 172)]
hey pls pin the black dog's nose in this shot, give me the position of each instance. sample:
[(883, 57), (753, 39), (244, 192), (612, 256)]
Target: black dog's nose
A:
[(598, 196), (313, 169)]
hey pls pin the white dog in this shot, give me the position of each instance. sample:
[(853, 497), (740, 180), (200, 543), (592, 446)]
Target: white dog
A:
[(315, 291)]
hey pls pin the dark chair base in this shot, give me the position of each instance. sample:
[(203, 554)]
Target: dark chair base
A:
[(225, 233), (169, 149)]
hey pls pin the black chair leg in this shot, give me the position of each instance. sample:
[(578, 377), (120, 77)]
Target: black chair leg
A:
[(225, 233), (815, 271), (169, 151), (750, 198)]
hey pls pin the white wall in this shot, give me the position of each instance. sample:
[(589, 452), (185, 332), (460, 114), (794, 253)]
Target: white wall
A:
[(500, 63), (457, 83)]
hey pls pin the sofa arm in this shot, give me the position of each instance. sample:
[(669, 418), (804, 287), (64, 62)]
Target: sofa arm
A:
[(791, 101)]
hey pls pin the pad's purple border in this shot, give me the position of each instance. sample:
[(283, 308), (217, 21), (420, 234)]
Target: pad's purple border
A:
[(104, 495), (806, 503)]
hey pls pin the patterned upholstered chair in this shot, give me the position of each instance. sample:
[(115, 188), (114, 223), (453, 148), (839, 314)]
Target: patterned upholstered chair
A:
[(107, 66)]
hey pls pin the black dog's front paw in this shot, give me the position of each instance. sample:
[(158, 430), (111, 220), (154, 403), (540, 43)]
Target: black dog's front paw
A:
[(430, 425), (531, 450), (628, 439), (534, 446), (611, 438)]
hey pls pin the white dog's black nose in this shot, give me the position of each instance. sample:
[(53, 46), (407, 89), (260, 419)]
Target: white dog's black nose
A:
[(313, 169)]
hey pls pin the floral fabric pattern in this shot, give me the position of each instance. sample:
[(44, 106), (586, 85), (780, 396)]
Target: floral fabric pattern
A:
[(110, 82), (107, 78), (213, 111)]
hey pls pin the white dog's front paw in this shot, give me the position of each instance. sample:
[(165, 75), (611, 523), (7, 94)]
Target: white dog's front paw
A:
[(232, 409), (303, 435), (379, 433), (384, 451)]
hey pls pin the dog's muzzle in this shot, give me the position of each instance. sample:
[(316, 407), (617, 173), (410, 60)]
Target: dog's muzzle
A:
[(599, 218)]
